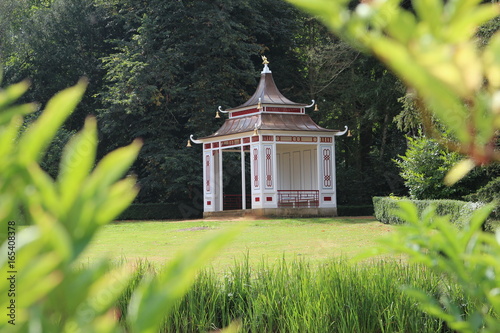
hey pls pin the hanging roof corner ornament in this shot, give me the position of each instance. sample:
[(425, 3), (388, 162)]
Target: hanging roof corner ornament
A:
[(191, 137), (343, 132), (222, 111), (313, 102), (265, 62)]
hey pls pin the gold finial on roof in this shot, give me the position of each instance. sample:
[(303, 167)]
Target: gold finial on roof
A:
[(264, 60)]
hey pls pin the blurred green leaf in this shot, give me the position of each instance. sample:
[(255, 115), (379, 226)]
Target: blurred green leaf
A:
[(111, 168), (77, 161), (38, 136), (491, 59), (458, 171), (430, 13), (18, 110), (120, 196), (12, 93), (8, 136), (154, 297)]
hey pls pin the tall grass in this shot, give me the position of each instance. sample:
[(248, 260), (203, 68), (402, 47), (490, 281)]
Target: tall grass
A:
[(296, 297)]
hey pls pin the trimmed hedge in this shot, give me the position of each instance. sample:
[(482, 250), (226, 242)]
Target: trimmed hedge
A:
[(459, 211), (159, 211)]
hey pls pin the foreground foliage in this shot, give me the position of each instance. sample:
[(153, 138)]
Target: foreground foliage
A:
[(469, 257), (45, 291), (434, 50)]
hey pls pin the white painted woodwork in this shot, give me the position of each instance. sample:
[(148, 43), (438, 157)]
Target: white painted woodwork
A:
[(297, 168)]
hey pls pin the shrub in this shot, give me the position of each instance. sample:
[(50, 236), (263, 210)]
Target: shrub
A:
[(423, 168), (459, 211), (425, 165)]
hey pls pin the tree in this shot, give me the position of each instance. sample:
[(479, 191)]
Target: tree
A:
[(63, 40), (13, 16), (166, 81)]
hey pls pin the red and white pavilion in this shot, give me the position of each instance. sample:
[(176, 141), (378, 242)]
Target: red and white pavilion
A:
[(292, 159)]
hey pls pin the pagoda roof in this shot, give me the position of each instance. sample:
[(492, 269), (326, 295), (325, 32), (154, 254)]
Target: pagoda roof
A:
[(269, 121), (268, 110), (267, 93)]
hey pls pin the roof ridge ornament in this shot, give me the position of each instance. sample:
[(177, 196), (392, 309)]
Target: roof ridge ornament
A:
[(265, 62)]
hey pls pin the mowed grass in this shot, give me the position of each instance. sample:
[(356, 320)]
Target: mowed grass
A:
[(315, 240)]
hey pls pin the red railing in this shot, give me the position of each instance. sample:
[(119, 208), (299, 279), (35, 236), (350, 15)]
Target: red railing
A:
[(298, 198), (233, 201)]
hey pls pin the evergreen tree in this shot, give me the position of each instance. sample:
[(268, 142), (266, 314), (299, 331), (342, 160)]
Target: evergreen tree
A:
[(61, 41), (165, 82)]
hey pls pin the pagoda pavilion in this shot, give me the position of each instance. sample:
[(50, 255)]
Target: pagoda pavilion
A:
[(291, 158)]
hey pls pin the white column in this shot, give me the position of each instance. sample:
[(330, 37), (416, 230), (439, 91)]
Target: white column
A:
[(334, 172), (319, 171), (269, 182), (327, 175), (255, 175), (243, 191), (208, 181), (221, 182)]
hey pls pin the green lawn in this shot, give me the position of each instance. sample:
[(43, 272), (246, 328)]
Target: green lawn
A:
[(313, 239)]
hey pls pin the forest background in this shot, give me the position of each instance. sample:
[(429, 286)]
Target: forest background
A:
[(158, 70)]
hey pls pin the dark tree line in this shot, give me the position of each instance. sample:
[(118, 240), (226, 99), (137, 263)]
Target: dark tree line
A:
[(159, 69)]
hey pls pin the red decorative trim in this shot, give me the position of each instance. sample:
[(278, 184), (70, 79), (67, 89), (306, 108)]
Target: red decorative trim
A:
[(269, 198), (327, 172), (255, 167), (242, 113), (230, 142), (208, 145), (209, 203), (246, 140), (267, 138), (255, 138), (283, 138), (327, 198), (279, 109), (257, 199), (269, 165), (207, 172), (215, 145), (325, 139)]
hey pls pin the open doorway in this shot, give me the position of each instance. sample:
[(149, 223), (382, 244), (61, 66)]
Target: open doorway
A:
[(236, 188)]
